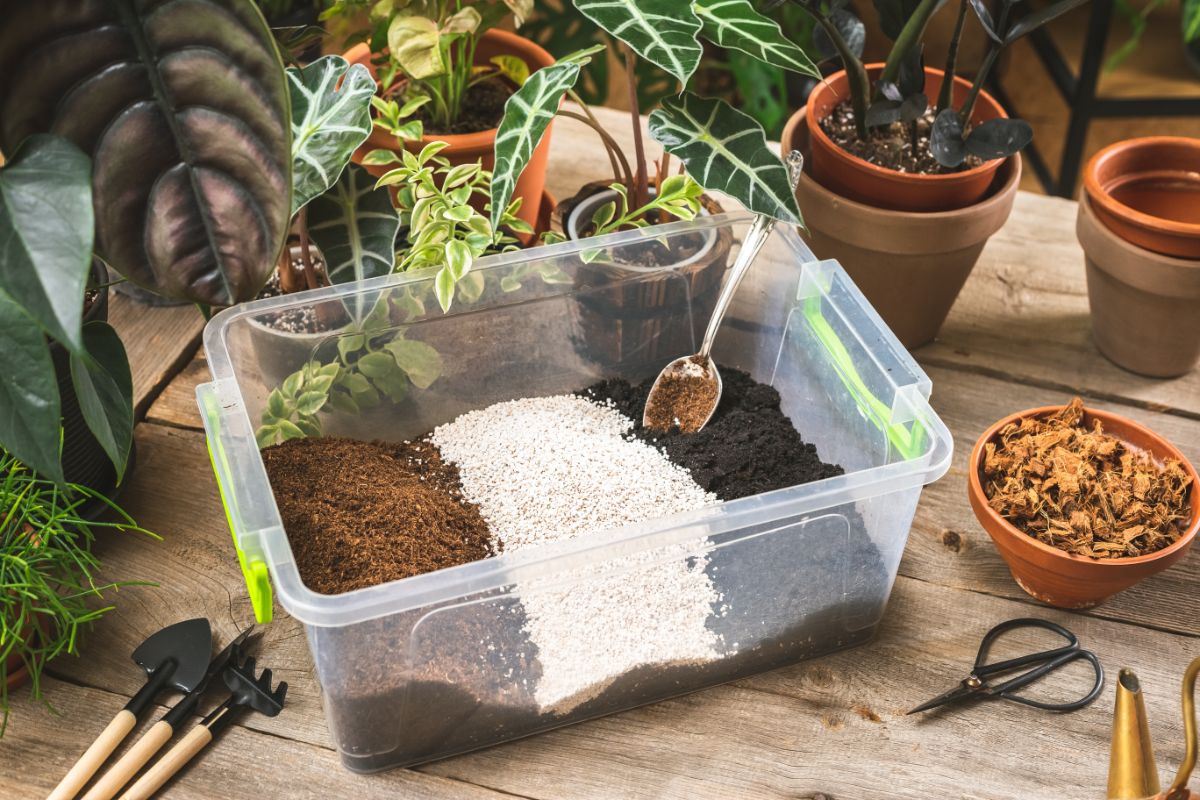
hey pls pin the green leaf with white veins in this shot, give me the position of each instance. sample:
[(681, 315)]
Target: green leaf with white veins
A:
[(527, 114), (660, 31), (46, 230), (737, 25), (355, 226), (331, 117), (726, 151)]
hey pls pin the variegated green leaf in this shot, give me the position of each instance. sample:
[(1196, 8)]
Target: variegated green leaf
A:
[(660, 31), (737, 25), (331, 117), (355, 226), (726, 151), (527, 113)]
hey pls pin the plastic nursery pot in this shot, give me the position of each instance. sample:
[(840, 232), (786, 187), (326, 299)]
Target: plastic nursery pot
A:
[(471, 147), (1055, 576), (910, 265), (647, 284), (1147, 191), (1145, 305), (854, 178)]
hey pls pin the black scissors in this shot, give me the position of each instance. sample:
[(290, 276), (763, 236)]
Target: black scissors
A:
[(976, 684)]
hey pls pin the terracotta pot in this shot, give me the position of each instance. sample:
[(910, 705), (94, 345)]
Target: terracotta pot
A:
[(471, 147), (1145, 306), (910, 265), (1147, 191), (1055, 576), (854, 178)]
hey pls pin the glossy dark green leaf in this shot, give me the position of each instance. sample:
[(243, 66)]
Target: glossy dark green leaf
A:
[(30, 416), (851, 29), (46, 233), (1036, 19), (998, 138), (737, 25), (946, 139), (893, 14), (660, 31), (985, 20), (726, 151), (183, 107), (331, 117), (355, 226), (104, 388)]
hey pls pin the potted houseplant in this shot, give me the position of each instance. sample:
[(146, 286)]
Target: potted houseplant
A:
[(910, 168), (1139, 226), (444, 72), (721, 148), (48, 570)]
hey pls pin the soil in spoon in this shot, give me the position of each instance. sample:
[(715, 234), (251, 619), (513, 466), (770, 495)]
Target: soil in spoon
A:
[(683, 398)]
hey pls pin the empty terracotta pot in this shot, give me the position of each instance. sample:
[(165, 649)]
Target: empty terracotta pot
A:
[(1055, 576), (910, 265), (1145, 305), (857, 179), (1147, 191)]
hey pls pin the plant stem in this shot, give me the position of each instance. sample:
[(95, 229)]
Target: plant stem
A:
[(664, 165), (620, 167), (946, 95), (310, 271), (910, 34), (856, 73), (640, 188), (985, 69)]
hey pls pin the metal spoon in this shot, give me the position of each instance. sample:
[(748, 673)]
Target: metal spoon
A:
[(694, 380)]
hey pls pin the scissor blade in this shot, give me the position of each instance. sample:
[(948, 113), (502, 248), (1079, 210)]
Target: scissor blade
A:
[(954, 695)]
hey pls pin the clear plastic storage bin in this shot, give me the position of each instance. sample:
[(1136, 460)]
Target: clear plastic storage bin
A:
[(441, 663)]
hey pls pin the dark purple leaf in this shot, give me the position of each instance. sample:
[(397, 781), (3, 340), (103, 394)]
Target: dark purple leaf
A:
[(913, 107), (985, 19), (999, 138), (1037, 19), (883, 112), (849, 26), (946, 139), (890, 91)]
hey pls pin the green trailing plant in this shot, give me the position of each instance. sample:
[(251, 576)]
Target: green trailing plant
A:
[(721, 148), (1138, 19), (48, 590), (46, 221), (898, 93), (677, 196), (424, 54), (183, 108)]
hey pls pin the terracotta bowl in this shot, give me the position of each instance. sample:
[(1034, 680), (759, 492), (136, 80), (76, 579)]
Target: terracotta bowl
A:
[(1147, 191), (1055, 576)]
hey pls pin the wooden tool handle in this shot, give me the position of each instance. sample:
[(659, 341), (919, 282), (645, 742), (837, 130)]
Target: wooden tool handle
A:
[(123, 771), (94, 756), (169, 764)]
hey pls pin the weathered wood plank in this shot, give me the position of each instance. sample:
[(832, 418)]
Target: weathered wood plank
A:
[(177, 403), (159, 341), (242, 765)]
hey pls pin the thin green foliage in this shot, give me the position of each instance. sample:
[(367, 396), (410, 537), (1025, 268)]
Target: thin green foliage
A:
[(48, 589)]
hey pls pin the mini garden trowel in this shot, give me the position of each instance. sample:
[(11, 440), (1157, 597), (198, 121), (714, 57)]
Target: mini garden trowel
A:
[(248, 691), (176, 657), (144, 749)]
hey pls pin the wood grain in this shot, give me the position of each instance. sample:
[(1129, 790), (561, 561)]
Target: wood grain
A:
[(159, 341)]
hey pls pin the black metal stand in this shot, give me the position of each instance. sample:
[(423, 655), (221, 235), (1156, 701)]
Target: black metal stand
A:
[(1080, 93)]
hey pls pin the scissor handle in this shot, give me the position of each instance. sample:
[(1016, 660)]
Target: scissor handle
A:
[(983, 669), (1008, 688)]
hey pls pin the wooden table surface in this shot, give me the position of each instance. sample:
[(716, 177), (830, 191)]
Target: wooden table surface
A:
[(832, 727)]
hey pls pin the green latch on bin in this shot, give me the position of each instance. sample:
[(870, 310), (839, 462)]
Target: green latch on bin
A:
[(254, 570)]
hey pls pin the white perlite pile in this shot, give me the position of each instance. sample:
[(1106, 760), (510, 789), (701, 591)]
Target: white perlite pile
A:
[(552, 468)]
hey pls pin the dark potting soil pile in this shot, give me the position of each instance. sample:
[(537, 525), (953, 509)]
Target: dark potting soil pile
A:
[(889, 146), (748, 447), (482, 109), (360, 514)]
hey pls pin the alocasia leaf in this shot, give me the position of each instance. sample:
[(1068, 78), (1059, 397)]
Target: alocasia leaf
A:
[(726, 151), (660, 31), (30, 416), (355, 225), (46, 233), (736, 25), (104, 388), (331, 117), (183, 107), (527, 113)]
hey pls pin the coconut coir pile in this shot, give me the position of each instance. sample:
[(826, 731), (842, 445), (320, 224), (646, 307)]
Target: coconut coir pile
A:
[(1083, 491), (361, 513)]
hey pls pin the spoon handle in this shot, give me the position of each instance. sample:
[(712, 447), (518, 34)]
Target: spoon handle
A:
[(755, 238)]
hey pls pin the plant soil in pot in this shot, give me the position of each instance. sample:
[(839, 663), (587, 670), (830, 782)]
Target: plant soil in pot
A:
[(910, 265), (1081, 503), (467, 148), (625, 320), (1147, 191), (1145, 306), (909, 183)]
